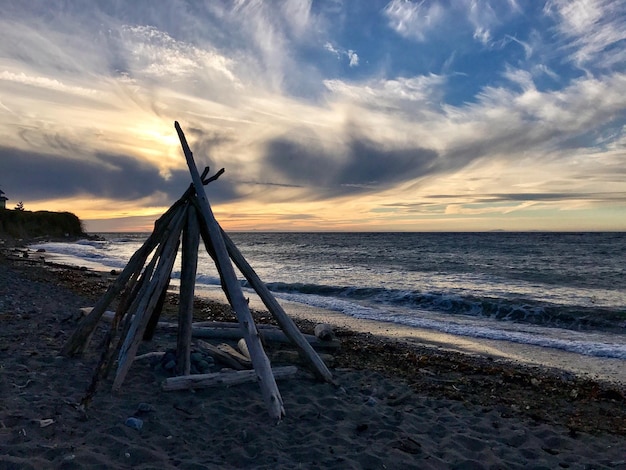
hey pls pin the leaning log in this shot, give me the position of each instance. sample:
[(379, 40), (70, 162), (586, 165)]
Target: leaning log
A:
[(225, 379), (284, 320), (233, 290), (189, 265), (148, 301)]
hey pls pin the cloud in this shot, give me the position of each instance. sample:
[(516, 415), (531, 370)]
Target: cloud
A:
[(156, 53), (544, 69), (104, 176), (531, 120), (483, 17), (330, 48), (591, 30), (44, 82), (353, 58), (400, 93), (520, 77), (528, 50), (533, 197), (412, 19), (360, 166), (482, 35)]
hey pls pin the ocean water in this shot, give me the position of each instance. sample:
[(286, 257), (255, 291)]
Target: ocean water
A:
[(565, 291)]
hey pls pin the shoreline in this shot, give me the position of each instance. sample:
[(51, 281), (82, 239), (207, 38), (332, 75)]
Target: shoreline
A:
[(595, 368), (396, 404)]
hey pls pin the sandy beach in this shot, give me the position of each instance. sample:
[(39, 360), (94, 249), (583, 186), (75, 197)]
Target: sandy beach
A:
[(395, 404)]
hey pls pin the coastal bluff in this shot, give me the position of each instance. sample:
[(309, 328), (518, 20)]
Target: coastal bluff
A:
[(28, 225)]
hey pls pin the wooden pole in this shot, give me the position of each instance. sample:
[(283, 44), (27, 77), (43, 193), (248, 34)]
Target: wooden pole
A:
[(191, 241), (149, 300), (120, 316), (286, 323), (108, 352), (148, 334), (234, 293)]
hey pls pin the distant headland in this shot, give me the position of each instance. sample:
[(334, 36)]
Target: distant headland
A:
[(25, 225)]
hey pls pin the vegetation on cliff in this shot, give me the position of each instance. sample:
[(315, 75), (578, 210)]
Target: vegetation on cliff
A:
[(21, 224)]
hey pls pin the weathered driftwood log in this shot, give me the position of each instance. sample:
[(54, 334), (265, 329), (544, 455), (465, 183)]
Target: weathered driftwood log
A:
[(191, 241), (232, 331), (225, 379), (267, 335), (232, 325), (139, 294), (148, 334), (233, 290), (285, 322), (224, 356), (126, 298), (149, 300), (122, 316), (218, 325), (150, 355), (244, 360)]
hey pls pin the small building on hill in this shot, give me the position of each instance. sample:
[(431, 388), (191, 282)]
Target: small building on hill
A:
[(3, 200)]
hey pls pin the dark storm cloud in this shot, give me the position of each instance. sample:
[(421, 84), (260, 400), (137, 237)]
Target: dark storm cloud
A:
[(205, 143), (362, 167), (30, 175)]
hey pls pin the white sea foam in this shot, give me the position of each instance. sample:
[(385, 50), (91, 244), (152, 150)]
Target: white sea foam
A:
[(603, 344)]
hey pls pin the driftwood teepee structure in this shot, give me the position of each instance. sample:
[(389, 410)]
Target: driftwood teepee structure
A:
[(141, 290)]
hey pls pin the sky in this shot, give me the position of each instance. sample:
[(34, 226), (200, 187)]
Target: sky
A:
[(329, 115)]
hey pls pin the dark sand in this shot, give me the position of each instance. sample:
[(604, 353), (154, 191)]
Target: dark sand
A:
[(396, 405)]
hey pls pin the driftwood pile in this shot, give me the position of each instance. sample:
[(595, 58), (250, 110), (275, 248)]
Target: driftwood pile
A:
[(141, 288)]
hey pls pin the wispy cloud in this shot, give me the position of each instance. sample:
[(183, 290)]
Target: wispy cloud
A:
[(44, 82), (156, 53), (591, 30), (413, 19)]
